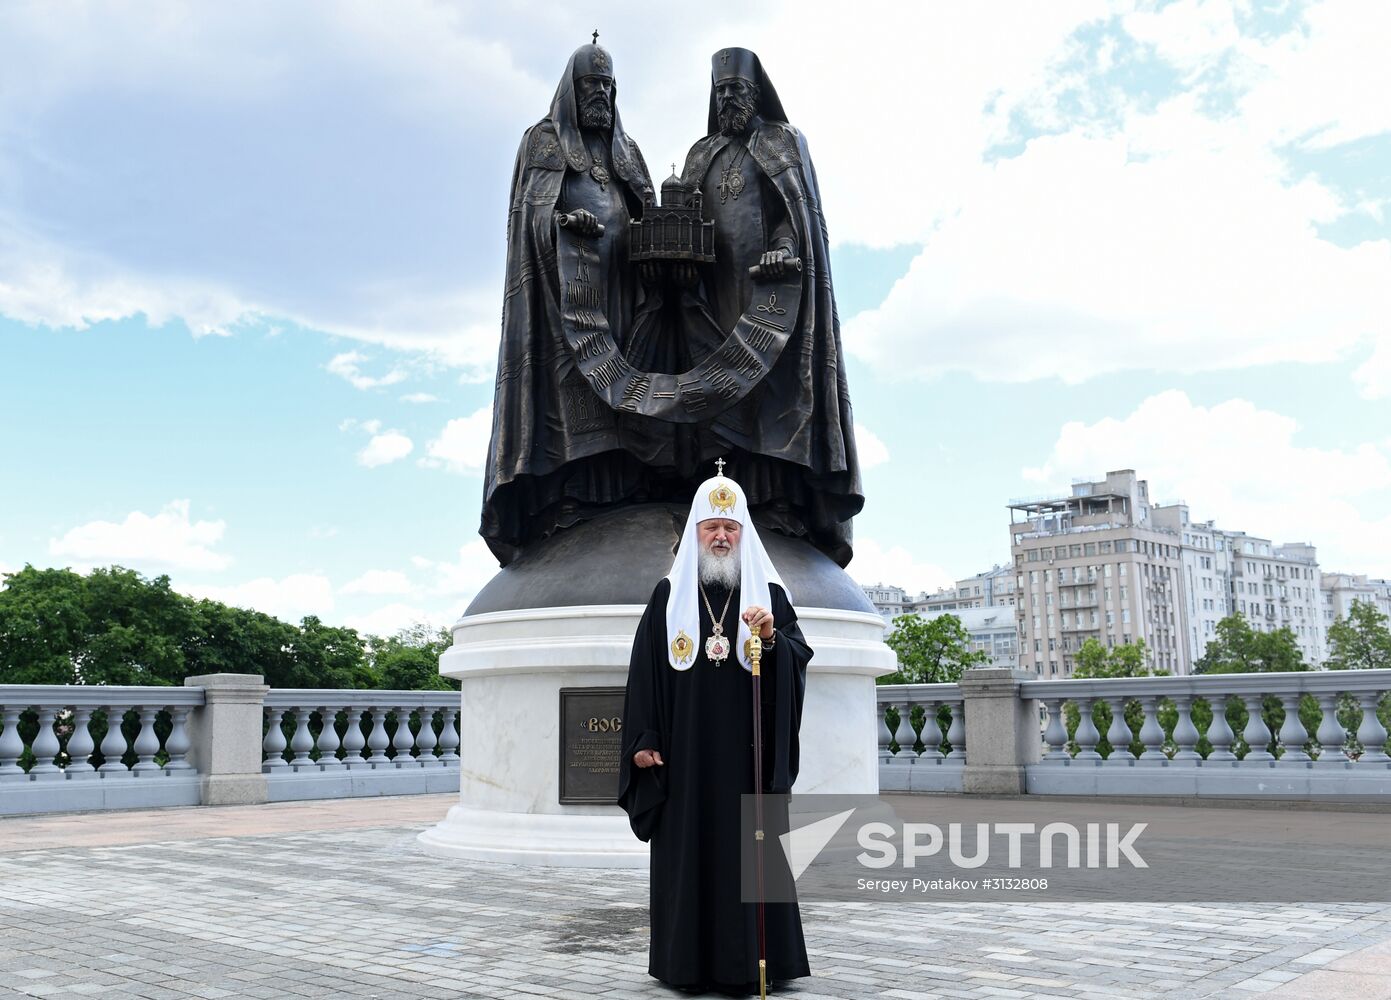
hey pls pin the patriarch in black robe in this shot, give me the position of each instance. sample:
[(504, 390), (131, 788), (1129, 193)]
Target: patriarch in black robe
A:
[(687, 754)]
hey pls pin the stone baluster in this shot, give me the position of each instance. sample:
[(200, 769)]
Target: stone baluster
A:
[(1331, 734), (1086, 736), (274, 744), (1118, 734), (45, 748), (1371, 733), (11, 746), (449, 739), (425, 739), (956, 732), (113, 744), (328, 739), (1293, 734), (1220, 734), (1257, 733), (932, 732), (907, 739), (1186, 734), (886, 734), (377, 741), (178, 743), (1055, 734), (353, 739), (1152, 732), (402, 739), (302, 742), (80, 746), (146, 742)]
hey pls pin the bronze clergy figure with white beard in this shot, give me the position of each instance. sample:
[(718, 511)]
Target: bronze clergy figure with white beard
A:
[(791, 441)]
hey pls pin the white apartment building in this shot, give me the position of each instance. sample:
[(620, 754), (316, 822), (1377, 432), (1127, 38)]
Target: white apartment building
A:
[(1227, 572), (1095, 564), (887, 599), (991, 625), (1341, 590)]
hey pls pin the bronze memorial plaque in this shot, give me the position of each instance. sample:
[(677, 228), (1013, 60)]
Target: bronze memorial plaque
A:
[(591, 734)]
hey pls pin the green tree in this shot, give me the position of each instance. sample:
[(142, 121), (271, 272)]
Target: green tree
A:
[(1129, 659), (326, 656), (228, 640), (1239, 649), (1094, 660), (1361, 641), (110, 627), (931, 651), (409, 660)]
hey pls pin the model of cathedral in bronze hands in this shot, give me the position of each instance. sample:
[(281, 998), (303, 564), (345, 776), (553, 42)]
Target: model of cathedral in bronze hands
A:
[(642, 340)]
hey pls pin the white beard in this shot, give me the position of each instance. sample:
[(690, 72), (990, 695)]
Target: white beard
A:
[(722, 570)]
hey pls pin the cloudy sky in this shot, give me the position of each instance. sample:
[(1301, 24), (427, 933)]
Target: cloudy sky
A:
[(251, 258)]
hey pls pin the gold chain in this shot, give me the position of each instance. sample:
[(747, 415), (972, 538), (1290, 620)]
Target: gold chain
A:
[(718, 625)]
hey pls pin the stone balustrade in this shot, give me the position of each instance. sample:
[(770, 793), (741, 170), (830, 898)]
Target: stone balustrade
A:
[(220, 739), (95, 747), (1316, 735), (939, 765), (370, 749), (1252, 742)]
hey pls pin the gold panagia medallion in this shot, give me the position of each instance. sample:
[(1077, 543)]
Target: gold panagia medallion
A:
[(723, 499), (682, 647)]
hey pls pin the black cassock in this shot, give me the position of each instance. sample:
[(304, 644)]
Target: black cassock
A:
[(701, 721)]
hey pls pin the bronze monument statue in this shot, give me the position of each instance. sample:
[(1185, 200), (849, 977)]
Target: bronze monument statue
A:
[(643, 340)]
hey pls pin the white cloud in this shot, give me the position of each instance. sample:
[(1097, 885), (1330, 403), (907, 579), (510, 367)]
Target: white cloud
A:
[(385, 448), (289, 599), (166, 540), (392, 618), (420, 397), (1184, 260), (379, 581), (872, 450), (894, 565), (347, 366), (1174, 237), (360, 203), (465, 576), (1245, 468), (444, 590), (462, 446), (1373, 376)]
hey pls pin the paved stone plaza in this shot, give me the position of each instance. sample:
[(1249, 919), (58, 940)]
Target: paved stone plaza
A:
[(325, 899)]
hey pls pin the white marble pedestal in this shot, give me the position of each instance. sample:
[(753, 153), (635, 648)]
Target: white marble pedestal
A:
[(512, 665)]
